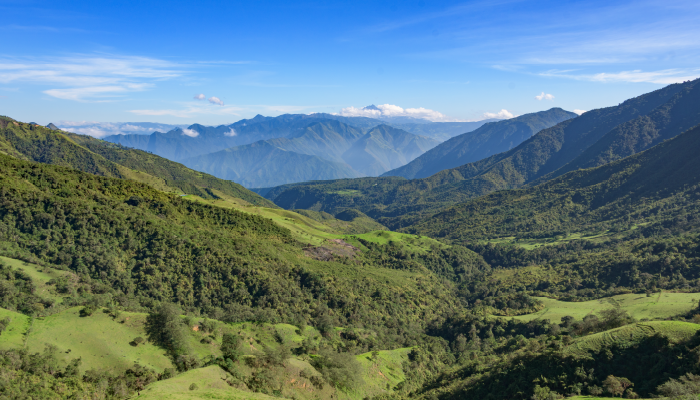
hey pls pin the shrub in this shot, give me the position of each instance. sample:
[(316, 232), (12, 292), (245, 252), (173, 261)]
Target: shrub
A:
[(87, 311), (341, 370), (231, 346), (686, 385)]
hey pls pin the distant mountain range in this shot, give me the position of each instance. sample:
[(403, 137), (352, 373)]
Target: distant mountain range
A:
[(326, 149), (270, 151), (489, 139)]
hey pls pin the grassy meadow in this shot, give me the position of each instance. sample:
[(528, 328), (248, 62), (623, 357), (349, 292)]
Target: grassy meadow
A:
[(630, 335), (639, 306)]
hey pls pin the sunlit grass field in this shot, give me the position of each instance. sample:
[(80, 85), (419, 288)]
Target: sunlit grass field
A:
[(639, 306)]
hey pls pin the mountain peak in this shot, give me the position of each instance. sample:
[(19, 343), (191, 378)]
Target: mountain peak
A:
[(372, 107)]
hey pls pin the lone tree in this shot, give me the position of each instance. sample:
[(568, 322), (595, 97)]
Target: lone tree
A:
[(166, 329)]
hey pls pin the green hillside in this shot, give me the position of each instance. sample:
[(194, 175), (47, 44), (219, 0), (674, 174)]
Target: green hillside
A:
[(35, 143), (490, 139), (142, 245), (635, 125), (655, 186)]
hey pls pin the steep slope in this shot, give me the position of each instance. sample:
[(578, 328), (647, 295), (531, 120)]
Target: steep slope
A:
[(263, 164), (677, 115), (384, 148), (85, 153), (555, 147), (657, 185), (490, 139), (399, 203)]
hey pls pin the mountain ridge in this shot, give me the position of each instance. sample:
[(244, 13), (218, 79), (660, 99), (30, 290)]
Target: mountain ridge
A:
[(489, 139), (95, 156)]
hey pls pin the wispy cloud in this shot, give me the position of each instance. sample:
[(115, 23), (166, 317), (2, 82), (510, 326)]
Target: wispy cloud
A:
[(544, 96), (88, 78), (94, 92), (581, 33), (665, 77), (579, 112), (200, 96), (191, 110)]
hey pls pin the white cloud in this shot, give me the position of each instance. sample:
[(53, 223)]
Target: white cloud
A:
[(216, 100), (579, 112), (544, 96), (102, 129), (503, 114), (91, 131), (663, 77), (190, 132), (390, 110), (200, 96), (231, 132), (86, 78)]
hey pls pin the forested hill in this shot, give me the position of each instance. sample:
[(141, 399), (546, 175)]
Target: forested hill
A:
[(85, 153), (490, 139), (634, 125), (143, 246), (659, 186)]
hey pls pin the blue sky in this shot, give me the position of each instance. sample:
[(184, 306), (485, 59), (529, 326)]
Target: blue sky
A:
[(147, 60)]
